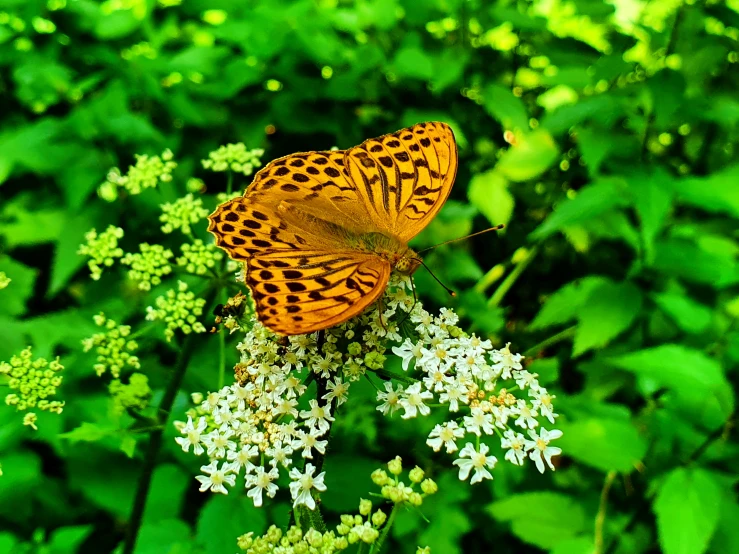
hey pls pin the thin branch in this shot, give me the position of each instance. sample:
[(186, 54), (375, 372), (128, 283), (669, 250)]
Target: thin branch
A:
[(600, 519)]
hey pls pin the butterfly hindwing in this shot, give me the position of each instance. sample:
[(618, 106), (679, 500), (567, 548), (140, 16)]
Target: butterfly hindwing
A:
[(311, 290)]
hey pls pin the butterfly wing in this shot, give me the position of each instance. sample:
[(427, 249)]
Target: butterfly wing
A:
[(405, 177), (310, 290)]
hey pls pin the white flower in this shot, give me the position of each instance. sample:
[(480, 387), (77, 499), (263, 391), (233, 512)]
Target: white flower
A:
[(318, 416), (479, 421), (261, 481), (308, 441), (412, 402), (526, 415), (192, 436), (543, 402), (437, 379), (243, 457), (303, 483), (336, 389), (407, 352), (479, 461), (453, 393), (214, 478), (280, 454), (285, 406), (446, 435), (525, 379), (390, 399), (515, 444), (539, 449), (505, 362), (218, 442)]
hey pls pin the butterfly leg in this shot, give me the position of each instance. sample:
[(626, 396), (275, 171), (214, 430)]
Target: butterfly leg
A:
[(415, 301), (380, 312)]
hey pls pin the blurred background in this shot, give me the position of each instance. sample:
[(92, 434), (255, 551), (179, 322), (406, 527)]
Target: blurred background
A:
[(602, 133)]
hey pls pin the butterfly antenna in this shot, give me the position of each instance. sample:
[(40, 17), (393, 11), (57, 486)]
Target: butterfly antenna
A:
[(496, 228), (450, 291)]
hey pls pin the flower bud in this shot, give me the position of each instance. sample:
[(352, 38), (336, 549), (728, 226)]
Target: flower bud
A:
[(378, 518), (365, 507), (379, 477), (416, 475), (395, 465), (429, 487)]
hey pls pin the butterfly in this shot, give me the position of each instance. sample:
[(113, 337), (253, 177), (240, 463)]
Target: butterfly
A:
[(320, 232)]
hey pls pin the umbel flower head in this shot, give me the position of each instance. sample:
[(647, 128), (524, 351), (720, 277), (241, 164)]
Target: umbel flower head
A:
[(198, 257), (146, 173), (182, 213), (114, 347), (179, 309), (34, 383), (255, 428), (149, 266), (102, 248), (234, 157)]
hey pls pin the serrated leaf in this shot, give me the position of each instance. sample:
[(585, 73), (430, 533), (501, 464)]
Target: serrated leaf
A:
[(652, 195), (689, 315), (532, 155), (687, 510), (697, 379), (563, 305), (563, 519), (605, 444), (609, 310), (590, 203), (682, 258), (20, 288), (489, 193)]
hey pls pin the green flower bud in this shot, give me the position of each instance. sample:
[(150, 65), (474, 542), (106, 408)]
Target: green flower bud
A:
[(429, 487), (395, 466), (179, 310), (102, 248), (374, 360), (148, 266), (181, 214), (379, 477), (365, 507), (4, 280), (234, 157), (354, 348), (416, 475), (379, 518)]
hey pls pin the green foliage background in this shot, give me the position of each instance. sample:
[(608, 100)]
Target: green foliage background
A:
[(617, 272)]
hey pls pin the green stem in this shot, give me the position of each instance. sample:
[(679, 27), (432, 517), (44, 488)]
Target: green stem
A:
[(554, 339), (385, 531), (156, 438), (600, 518), (513, 276), (392, 375), (230, 182)]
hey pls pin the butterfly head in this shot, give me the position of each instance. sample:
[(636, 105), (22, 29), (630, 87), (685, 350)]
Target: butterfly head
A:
[(408, 263)]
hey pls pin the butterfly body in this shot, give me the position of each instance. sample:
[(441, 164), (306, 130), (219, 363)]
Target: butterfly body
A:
[(320, 232)]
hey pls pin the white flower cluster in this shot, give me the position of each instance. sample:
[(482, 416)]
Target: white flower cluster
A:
[(477, 384), (255, 426)]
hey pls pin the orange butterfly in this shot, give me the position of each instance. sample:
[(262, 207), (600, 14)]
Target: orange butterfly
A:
[(320, 232)]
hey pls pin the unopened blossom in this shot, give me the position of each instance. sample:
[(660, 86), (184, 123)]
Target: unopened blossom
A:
[(102, 248)]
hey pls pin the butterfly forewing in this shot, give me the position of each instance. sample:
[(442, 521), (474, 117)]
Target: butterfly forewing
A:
[(405, 177)]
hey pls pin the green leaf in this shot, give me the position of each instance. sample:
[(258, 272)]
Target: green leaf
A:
[(689, 315), (66, 540), (505, 107), (563, 519), (116, 24), (225, 517), (726, 538), (533, 154), (89, 432), (564, 305), (687, 510), (715, 193), (683, 258), (605, 444), (168, 487), (594, 146), (590, 203), (697, 380), (16, 294), (652, 199), (546, 368), (489, 193), (413, 63), (171, 536), (609, 310), (25, 227), (8, 543)]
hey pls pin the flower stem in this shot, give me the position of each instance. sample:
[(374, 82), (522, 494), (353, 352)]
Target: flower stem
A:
[(391, 375), (554, 339), (600, 518), (156, 438), (513, 276), (385, 531)]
